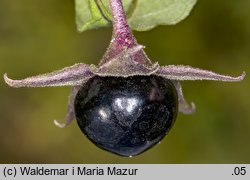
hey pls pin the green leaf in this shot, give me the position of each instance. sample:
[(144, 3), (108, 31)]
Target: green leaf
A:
[(142, 15), (91, 14), (150, 13)]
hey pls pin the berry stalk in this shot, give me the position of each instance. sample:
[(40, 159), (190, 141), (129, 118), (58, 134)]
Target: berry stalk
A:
[(122, 37), (122, 34)]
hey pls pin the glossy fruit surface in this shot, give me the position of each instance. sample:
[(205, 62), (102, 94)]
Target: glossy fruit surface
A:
[(126, 116)]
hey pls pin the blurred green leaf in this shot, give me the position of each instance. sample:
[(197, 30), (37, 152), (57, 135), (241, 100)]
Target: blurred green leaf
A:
[(90, 14), (150, 13), (142, 14)]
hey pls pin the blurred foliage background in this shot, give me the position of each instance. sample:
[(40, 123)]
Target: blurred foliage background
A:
[(40, 36)]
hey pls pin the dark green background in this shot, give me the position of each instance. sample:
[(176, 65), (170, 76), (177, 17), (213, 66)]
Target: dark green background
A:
[(40, 36)]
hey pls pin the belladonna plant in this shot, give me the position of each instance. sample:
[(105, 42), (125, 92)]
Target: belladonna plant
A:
[(126, 104)]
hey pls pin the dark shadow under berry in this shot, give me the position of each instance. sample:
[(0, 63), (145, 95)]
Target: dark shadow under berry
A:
[(126, 116)]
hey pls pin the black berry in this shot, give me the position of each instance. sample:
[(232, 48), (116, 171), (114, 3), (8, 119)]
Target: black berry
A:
[(126, 116)]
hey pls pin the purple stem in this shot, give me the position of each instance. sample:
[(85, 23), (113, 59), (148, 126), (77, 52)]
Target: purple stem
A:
[(122, 34), (122, 37)]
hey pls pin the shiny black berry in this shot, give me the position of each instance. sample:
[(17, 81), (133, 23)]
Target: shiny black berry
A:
[(126, 116)]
